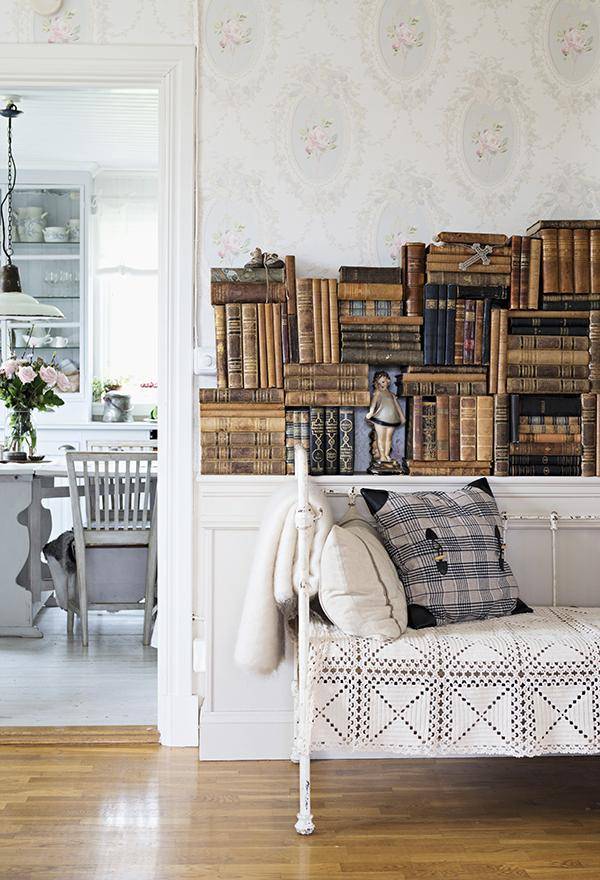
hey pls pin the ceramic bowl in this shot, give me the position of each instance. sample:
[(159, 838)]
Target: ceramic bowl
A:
[(56, 234)]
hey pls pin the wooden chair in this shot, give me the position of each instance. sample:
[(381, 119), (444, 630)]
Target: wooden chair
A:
[(118, 491), (122, 445)]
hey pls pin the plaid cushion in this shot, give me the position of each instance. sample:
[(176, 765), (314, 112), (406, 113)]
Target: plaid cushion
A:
[(447, 547)]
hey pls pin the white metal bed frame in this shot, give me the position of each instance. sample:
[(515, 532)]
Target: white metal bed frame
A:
[(305, 522)]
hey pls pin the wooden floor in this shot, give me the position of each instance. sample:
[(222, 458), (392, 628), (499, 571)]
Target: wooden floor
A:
[(55, 681), (146, 813)]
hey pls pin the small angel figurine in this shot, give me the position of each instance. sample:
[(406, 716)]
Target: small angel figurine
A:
[(385, 414)]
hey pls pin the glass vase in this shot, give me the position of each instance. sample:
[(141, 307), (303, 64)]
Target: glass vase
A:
[(20, 435)]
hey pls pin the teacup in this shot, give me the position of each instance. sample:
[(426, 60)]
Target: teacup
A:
[(60, 341), (56, 234)]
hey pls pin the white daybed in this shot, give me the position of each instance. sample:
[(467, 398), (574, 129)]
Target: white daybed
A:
[(518, 686)]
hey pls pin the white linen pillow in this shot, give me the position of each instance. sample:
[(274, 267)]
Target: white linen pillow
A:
[(359, 590)]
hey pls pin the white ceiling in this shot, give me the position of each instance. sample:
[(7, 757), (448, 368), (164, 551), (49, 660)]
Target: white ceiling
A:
[(75, 128)]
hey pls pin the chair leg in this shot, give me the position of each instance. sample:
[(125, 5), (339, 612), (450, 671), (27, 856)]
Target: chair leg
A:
[(70, 621), (82, 602), (150, 597)]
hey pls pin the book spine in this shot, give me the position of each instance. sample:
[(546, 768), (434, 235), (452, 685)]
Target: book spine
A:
[(381, 356), (546, 459), (478, 342), (325, 321), (284, 333), (357, 333), (486, 343), (595, 261), (370, 274), (292, 313), (429, 428), (474, 469), (572, 304), (410, 388), (548, 439), (415, 277), (535, 264), (494, 238), (289, 441), (551, 356), (316, 455), (334, 325), (453, 427), (550, 407), (581, 261), (597, 435), (547, 371), (263, 375), (346, 441), (240, 395), (547, 386), (547, 343), (549, 260), (233, 322), (270, 343), (243, 453), (306, 333), (242, 423), (515, 271), (430, 318), (450, 324), (501, 435), (317, 320), (514, 418), (230, 292), (331, 440), (485, 427), (440, 343), (565, 261), (543, 471), (277, 348), (459, 333), (468, 279), (221, 345), (468, 429), (417, 427), (249, 345), (502, 350), (326, 383), (243, 438), (245, 468), (524, 273), (244, 275), (371, 292), (594, 342), (469, 332), (327, 398), (442, 427), (567, 448), (494, 343), (339, 371)]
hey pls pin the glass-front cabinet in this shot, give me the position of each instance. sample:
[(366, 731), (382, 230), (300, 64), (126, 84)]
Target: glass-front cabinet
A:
[(49, 241)]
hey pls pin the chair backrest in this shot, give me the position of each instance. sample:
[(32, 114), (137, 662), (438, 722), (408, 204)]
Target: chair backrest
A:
[(118, 488), (122, 445)]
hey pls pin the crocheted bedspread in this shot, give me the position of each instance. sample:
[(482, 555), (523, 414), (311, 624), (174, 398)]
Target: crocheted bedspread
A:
[(523, 685)]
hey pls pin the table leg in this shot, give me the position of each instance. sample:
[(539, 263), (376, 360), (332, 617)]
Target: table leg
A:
[(16, 610)]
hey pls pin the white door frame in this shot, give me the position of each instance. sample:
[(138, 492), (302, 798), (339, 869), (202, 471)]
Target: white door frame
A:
[(170, 69)]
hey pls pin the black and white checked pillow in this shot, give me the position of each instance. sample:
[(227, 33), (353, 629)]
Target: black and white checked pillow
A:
[(448, 550)]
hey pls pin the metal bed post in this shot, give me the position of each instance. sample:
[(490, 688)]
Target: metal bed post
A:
[(304, 524)]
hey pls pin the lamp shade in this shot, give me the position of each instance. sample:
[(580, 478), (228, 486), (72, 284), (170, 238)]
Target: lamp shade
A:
[(16, 304)]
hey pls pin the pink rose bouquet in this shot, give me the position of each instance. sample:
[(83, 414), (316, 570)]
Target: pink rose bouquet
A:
[(26, 386)]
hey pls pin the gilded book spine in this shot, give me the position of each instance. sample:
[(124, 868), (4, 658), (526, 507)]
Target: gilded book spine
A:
[(581, 260), (485, 427), (547, 386), (552, 356), (342, 371), (242, 423), (410, 388), (292, 311), (468, 429), (325, 383), (442, 427), (306, 333), (549, 260), (277, 347), (501, 435), (270, 340), (263, 373), (515, 272), (243, 438), (245, 468), (417, 427), (415, 277), (429, 428), (502, 350), (242, 453), (346, 440), (538, 343), (331, 440), (325, 321), (459, 334), (327, 398), (249, 345), (494, 350), (478, 352), (233, 321), (547, 371), (524, 273), (334, 325), (317, 320), (565, 261), (535, 264), (595, 261), (221, 346), (317, 441), (232, 292), (453, 427), (240, 395), (595, 351)]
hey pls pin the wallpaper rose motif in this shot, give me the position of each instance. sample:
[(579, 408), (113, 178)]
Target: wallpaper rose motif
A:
[(231, 243), (62, 28), (489, 142), (575, 41), (319, 138), (233, 32), (405, 36), (395, 240), (568, 50)]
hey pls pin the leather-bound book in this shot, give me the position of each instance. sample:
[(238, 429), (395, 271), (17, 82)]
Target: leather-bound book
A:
[(552, 356), (243, 422), (537, 406), (270, 343), (514, 418), (392, 356), (233, 324), (370, 274), (325, 321), (459, 332), (246, 275), (429, 387), (417, 427), (515, 272), (245, 468), (547, 386), (284, 333), (430, 318), (594, 260), (565, 261), (346, 440), (306, 330), (263, 374), (415, 277), (440, 345), (566, 448), (442, 427), (453, 427), (244, 438), (485, 427), (578, 302), (316, 455), (524, 273), (450, 324), (249, 345), (469, 279), (232, 292), (327, 398), (278, 353), (367, 291), (502, 350), (221, 345), (478, 346), (317, 320), (598, 435), (470, 237), (574, 343), (547, 371), (429, 429), (342, 371), (331, 440), (594, 332), (535, 265), (501, 435), (549, 260), (468, 428), (562, 224), (289, 440), (448, 468), (292, 312), (240, 395), (243, 453), (494, 343), (334, 324), (581, 261), (469, 332)]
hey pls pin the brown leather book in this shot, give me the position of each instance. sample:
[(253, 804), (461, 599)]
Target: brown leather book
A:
[(415, 277), (263, 374), (366, 291), (222, 293), (245, 453), (502, 351), (494, 350), (588, 435), (524, 273), (442, 427), (471, 237), (410, 388), (562, 224), (417, 427), (327, 398), (581, 260), (535, 265), (351, 371), (397, 357), (485, 427), (249, 345), (464, 250), (429, 429), (292, 312), (574, 343), (306, 330), (243, 423), (501, 435), (262, 410), (317, 320), (469, 332), (453, 427), (549, 260), (448, 468), (444, 374), (567, 448), (270, 339), (221, 346), (244, 468), (547, 386), (500, 267), (392, 321), (243, 438), (325, 383), (468, 428), (233, 324), (470, 279), (325, 321), (334, 322), (549, 439), (459, 335), (209, 396), (515, 272), (278, 351), (547, 371), (595, 351), (478, 348), (594, 260), (598, 435), (530, 313), (553, 356), (565, 261)]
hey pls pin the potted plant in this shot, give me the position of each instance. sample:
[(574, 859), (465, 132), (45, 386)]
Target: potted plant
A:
[(27, 386)]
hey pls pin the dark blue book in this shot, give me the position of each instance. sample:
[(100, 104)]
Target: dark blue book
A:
[(332, 449), (450, 325), (430, 313), (440, 347), (316, 445), (346, 440)]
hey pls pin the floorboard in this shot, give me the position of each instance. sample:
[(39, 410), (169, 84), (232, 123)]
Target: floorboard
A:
[(150, 813)]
